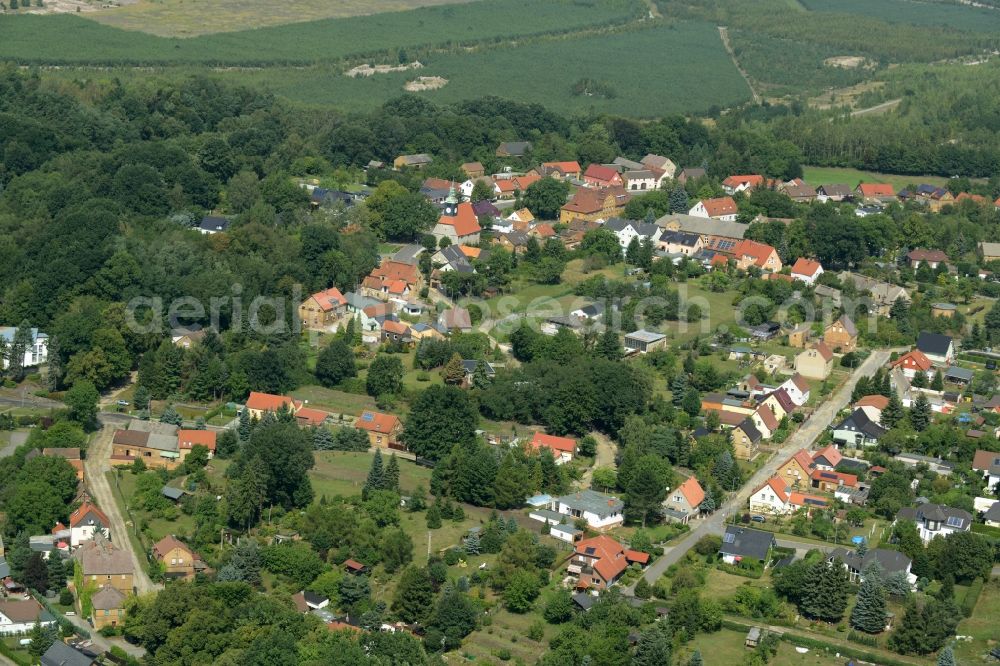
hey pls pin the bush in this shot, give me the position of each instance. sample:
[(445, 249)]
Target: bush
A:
[(66, 597), (708, 544)]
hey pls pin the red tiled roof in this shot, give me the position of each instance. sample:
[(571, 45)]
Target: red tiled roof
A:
[(983, 460), (803, 458), (692, 491), (806, 267), (921, 254), (636, 556), (877, 401), (565, 167), (876, 190), (611, 555), (437, 184), (397, 327), (377, 422), (310, 416), (831, 454), (778, 485), (752, 180), (592, 201), (188, 438), (87, 508), (163, 547), (600, 172), (354, 565), (543, 230), (844, 479), (801, 499), (465, 221), (564, 444), (759, 252), (397, 270), (268, 402), (978, 198), (823, 350), (800, 382), (914, 360), (719, 206), (768, 417), (329, 299)]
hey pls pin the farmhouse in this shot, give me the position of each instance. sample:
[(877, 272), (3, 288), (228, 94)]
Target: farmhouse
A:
[(560, 170), (734, 184), (592, 205), (833, 192), (322, 309), (722, 208), (600, 176), (875, 192)]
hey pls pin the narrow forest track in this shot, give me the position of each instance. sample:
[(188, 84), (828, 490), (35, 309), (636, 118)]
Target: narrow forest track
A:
[(724, 35)]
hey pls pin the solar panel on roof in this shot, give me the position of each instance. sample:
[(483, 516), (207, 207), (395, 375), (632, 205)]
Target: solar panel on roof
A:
[(729, 537), (954, 521), (589, 550), (367, 416)]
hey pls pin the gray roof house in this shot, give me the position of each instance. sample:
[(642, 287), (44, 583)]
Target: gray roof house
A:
[(60, 654), (599, 510), (938, 348), (890, 561), (858, 430), (514, 149), (213, 224), (740, 543), (936, 520)]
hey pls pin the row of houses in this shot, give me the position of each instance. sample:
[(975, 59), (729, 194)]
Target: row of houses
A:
[(158, 445), (789, 489)]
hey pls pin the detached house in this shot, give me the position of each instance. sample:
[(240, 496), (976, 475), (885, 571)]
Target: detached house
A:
[(86, 522), (841, 335), (590, 205), (741, 543), (734, 184), (815, 362), (599, 176), (872, 406), (683, 502), (104, 564), (914, 362), (936, 520), (875, 192), (628, 230), (260, 403), (761, 255), (930, 257), (797, 389), (383, 429), (18, 616), (891, 561), (322, 309), (391, 280), (37, 351), (939, 348), (599, 511), (858, 431), (563, 448), (179, 561), (987, 463), (806, 270), (834, 192), (721, 208), (745, 437), (600, 561), (560, 170), (796, 471)]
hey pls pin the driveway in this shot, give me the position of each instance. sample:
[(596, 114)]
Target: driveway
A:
[(97, 463), (105, 643), (803, 438), (605, 457)]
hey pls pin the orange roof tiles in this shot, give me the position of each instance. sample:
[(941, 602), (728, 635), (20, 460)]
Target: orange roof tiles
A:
[(803, 458), (465, 222), (876, 190), (310, 416), (396, 270), (87, 508), (720, 206), (163, 547), (268, 402), (806, 267), (377, 422), (329, 299), (876, 401), (565, 167), (803, 499), (469, 251), (831, 454), (601, 173), (843, 479), (611, 560), (692, 491), (758, 252), (188, 438), (913, 360), (823, 350), (752, 180), (564, 444), (397, 327), (778, 485), (768, 417)]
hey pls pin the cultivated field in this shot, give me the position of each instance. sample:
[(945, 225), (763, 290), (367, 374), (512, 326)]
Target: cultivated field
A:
[(816, 176), (68, 39), (185, 18)]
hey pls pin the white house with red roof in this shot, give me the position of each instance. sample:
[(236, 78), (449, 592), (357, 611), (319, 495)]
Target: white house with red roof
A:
[(720, 208), (600, 561), (827, 458), (914, 362), (87, 521), (681, 504), (458, 222), (600, 176), (563, 448), (872, 406), (187, 439), (806, 270), (776, 498), (797, 389), (742, 183), (260, 403)]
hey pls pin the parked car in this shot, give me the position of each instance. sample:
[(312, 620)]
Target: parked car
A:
[(758, 519)]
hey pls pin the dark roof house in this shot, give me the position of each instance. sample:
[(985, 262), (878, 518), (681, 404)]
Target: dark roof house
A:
[(742, 542)]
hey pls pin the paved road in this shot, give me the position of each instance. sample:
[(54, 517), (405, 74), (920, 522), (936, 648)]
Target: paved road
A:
[(97, 463), (103, 643), (803, 438)]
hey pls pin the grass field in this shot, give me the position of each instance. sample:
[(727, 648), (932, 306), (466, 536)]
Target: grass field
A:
[(982, 626), (334, 401), (343, 473), (184, 18), (816, 176), (66, 39), (726, 647), (936, 14)]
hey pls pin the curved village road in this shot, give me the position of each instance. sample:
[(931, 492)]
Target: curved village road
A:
[(803, 438), (97, 463)]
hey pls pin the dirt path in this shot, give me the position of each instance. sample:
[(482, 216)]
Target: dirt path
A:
[(878, 108), (97, 463), (605, 457), (724, 35)]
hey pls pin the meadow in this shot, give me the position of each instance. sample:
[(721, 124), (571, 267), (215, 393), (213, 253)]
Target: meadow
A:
[(67, 39), (913, 12), (183, 18), (705, 77), (816, 176)]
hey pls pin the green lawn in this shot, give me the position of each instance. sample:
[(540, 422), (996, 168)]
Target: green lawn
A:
[(343, 473), (816, 176), (727, 647), (982, 626), (333, 400), (507, 631)]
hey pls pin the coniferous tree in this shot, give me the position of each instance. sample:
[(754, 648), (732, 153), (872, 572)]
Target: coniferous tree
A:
[(19, 346), (322, 439), (433, 517), (947, 657), (609, 346), (171, 416), (244, 426), (893, 412), (920, 413), (869, 613), (678, 388), (825, 596), (42, 639), (480, 378), (472, 545), (390, 478), (695, 659), (862, 549), (453, 372), (56, 369), (919, 380), (679, 200), (653, 648), (937, 384), (376, 476), (414, 596)]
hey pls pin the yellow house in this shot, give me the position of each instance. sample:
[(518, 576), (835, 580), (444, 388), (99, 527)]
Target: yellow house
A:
[(383, 429), (746, 440), (816, 362), (591, 205), (103, 564), (179, 561), (842, 335), (796, 470), (108, 607), (322, 309)]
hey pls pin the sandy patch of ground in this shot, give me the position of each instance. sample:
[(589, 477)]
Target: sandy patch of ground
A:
[(425, 83), (845, 62), (371, 70)]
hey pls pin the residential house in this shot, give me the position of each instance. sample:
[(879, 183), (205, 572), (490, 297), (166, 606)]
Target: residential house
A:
[(473, 169), (322, 197), (992, 515), (560, 170), (834, 192), (154, 443), (86, 522), (936, 520), (592, 311), (513, 149), (629, 230), (987, 463), (418, 161), (466, 187), (663, 167), (599, 511), (797, 389), (831, 482), (806, 270), (745, 437), (391, 280), (883, 294), (485, 208), (507, 186), (18, 616), (322, 309), (761, 255), (305, 417), (542, 231), (456, 319), (599, 176), (211, 224), (188, 439), (890, 561), (734, 184), (37, 351), (937, 465), (563, 448), (690, 173), (102, 563), (469, 366), (798, 191), (592, 205), (186, 338), (643, 341), (815, 362), (799, 336), (715, 234), (827, 458), (797, 470), (451, 258), (458, 223), (383, 429), (600, 561), (930, 257), (515, 242), (938, 348), (743, 543), (875, 192), (721, 208), (780, 403), (61, 654), (107, 607), (841, 335), (934, 197), (858, 431), (988, 251), (258, 403), (683, 502), (640, 180), (770, 498), (395, 331), (178, 561), (680, 242), (914, 362), (872, 406)]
